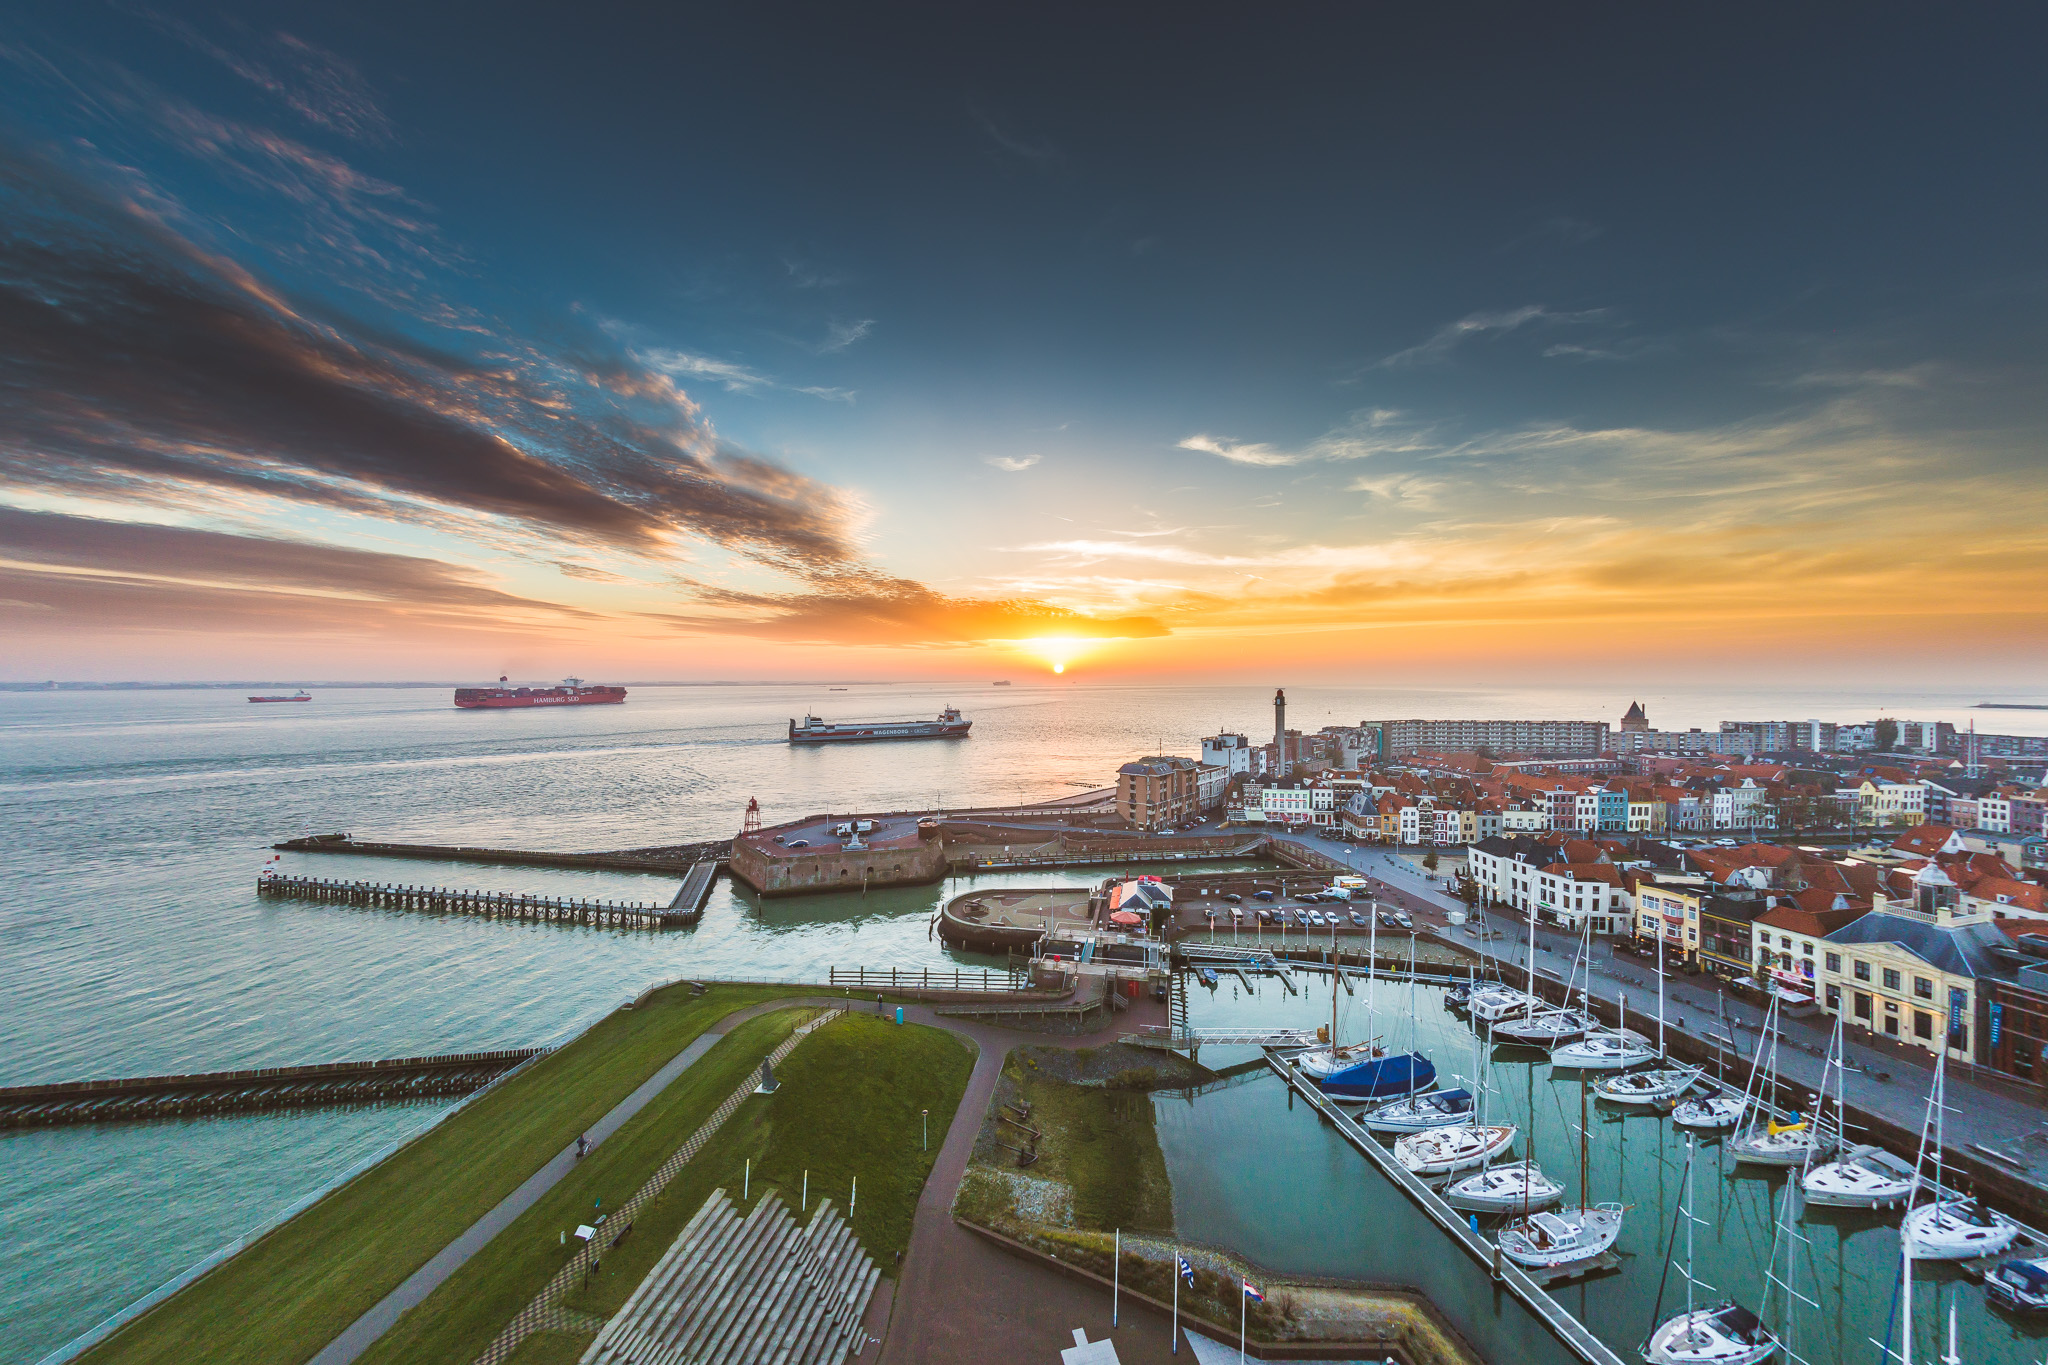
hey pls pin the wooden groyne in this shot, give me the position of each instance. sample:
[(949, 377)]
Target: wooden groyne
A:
[(276, 1087), (488, 904), (675, 859)]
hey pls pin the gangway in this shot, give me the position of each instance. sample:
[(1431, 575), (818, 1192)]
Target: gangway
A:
[(1176, 1040)]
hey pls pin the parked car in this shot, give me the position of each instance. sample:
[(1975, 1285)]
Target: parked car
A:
[(1233, 899), (1360, 920), (1259, 895), (1387, 920), (1265, 915), (798, 843), (1402, 918)]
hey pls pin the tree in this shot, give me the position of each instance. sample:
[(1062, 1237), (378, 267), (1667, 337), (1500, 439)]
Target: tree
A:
[(1429, 860), (1887, 734)]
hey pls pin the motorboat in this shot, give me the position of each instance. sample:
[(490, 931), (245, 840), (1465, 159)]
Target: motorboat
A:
[(1563, 1237), (1723, 1334), (1772, 1143), (1457, 997), (1708, 1112), (1491, 1004), (2019, 1286), (1861, 1178), (1606, 1050), (1414, 1113), (1660, 1086), (1518, 1186), (1957, 1230), (1544, 1028), (1441, 1151)]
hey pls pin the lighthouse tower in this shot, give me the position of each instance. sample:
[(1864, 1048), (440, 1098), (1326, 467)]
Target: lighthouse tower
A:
[(1280, 731)]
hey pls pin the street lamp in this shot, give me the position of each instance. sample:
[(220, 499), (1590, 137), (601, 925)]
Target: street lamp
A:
[(926, 1115)]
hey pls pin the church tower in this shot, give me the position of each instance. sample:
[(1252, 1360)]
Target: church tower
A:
[(1636, 720)]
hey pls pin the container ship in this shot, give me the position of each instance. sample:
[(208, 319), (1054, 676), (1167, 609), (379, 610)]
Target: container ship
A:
[(949, 725), (572, 692)]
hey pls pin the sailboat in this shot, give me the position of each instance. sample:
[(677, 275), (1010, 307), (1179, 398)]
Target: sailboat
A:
[(1768, 1142), (1512, 1185), (1431, 1109), (1717, 1108), (1607, 1050), (1948, 1229), (1864, 1177), (1460, 1146), (1660, 1085), (1567, 1237), (1364, 1070), (1492, 1004), (1723, 1333), (1547, 1027)]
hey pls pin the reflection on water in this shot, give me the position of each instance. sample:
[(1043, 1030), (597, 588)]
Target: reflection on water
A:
[(1289, 1192)]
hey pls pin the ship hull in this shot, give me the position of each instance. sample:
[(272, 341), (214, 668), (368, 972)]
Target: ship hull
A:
[(865, 734), (504, 703)]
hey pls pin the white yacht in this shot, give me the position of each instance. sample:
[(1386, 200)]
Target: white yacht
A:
[(1660, 1086), (1550, 1241), (1772, 1143), (1440, 1151), (1491, 1004), (1708, 1112), (1544, 1028), (1957, 1230), (1861, 1178), (1415, 1113), (1724, 1333), (1604, 1051), (1517, 1186)]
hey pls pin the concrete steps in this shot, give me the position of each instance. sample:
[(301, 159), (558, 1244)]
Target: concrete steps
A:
[(755, 1290)]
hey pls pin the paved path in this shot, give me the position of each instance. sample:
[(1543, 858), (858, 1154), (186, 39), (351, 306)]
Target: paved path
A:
[(959, 1297), (358, 1336)]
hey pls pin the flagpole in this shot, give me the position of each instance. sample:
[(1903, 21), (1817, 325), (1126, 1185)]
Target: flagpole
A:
[(1176, 1299), (1242, 1300), (1116, 1279)]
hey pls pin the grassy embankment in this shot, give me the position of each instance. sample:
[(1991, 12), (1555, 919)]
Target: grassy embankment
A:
[(848, 1104), (284, 1298)]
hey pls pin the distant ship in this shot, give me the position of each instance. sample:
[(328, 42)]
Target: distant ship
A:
[(303, 695), (949, 725), (1004, 683), (572, 692)]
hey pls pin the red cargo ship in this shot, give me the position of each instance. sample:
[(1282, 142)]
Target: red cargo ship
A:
[(572, 692)]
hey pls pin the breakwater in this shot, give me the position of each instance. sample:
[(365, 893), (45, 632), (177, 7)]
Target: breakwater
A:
[(677, 859), (264, 1088), (487, 904)]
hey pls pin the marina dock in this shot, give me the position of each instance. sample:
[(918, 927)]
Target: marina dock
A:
[(487, 904), (277, 1087)]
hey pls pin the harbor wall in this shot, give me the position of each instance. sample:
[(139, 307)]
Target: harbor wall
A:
[(795, 873)]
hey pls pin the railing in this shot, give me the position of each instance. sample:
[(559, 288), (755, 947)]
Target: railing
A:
[(925, 979)]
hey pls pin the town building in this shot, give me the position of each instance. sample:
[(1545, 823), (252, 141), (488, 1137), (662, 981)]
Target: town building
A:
[(1496, 736), (1232, 753), (1158, 792), (1727, 922)]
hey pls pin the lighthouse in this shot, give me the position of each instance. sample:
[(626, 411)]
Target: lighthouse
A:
[(1280, 730)]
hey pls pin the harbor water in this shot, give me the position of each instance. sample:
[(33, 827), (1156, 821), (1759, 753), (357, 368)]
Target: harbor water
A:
[(133, 943)]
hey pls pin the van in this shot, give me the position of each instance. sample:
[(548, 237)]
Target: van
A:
[(865, 827), (1337, 893), (843, 830)]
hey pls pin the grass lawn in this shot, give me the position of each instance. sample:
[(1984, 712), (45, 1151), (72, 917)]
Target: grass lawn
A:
[(848, 1105), (284, 1298), (1103, 1144), (462, 1317)]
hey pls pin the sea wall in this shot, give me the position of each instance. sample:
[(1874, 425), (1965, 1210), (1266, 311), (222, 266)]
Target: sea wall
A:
[(793, 872)]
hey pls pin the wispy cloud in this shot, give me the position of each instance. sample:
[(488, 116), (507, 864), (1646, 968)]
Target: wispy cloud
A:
[(1365, 435), (1013, 464), (1450, 336), (840, 335), (1038, 151), (730, 375), (324, 89)]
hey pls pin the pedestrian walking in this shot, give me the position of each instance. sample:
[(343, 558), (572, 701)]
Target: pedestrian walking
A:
[(582, 1145)]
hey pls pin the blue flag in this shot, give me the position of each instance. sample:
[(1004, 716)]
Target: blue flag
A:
[(1187, 1272)]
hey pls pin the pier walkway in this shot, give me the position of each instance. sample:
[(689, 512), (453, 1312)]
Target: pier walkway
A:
[(488, 904), (274, 1087)]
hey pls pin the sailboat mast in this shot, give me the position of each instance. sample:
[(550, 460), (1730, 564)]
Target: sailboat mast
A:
[(1585, 1166), (1688, 1227), (1660, 1002)]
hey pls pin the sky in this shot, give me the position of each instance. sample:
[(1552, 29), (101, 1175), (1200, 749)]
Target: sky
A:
[(1319, 343)]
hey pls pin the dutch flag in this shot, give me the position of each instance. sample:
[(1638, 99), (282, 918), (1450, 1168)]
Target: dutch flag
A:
[(1187, 1272), (1251, 1291)]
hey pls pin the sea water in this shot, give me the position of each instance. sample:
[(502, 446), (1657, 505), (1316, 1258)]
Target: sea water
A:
[(132, 941)]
